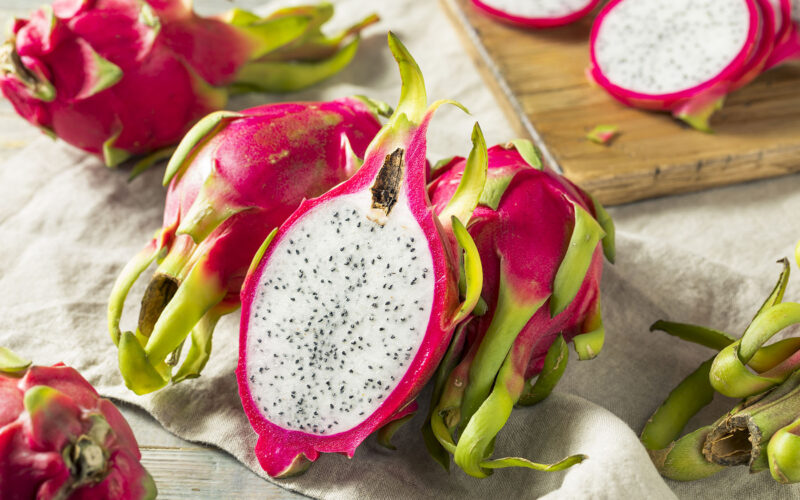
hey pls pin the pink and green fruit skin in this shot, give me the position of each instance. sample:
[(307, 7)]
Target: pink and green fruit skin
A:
[(524, 239), (60, 440), (260, 166), (234, 178), (122, 78)]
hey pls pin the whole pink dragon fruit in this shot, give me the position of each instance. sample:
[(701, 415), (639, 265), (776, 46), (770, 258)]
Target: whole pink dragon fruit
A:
[(60, 440), (356, 297), (233, 178), (685, 56), (122, 78), (539, 237), (538, 14)]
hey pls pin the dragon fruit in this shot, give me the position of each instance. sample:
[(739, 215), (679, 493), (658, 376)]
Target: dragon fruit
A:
[(682, 56), (761, 431), (234, 178), (539, 238), (537, 14), (787, 36), (60, 440), (354, 301), (122, 78)]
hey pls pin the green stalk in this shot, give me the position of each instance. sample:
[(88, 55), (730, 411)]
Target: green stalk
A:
[(510, 316), (555, 362), (741, 436)]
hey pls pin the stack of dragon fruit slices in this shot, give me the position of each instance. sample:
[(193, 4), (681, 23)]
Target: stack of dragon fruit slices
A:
[(686, 56)]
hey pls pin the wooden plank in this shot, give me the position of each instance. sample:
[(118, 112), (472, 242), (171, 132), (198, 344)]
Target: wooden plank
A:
[(193, 473), (539, 79)]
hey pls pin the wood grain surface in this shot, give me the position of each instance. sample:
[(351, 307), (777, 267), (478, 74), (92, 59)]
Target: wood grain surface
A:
[(539, 79)]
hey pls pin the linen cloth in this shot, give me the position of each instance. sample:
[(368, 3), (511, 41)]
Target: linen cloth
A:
[(68, 225)]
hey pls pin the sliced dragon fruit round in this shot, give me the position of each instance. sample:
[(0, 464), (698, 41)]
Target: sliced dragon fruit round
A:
[(354, 301), (234, 178), (537, 13), (681, 56)]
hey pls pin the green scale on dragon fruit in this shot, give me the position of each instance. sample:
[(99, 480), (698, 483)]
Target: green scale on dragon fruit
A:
[(60, 440), (541, 240), (354, 300), (684, 57), (234, 178), (123, 78)]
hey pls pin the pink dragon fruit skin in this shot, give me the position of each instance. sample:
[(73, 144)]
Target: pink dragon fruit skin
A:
[(60, 439), (233, 178), (787, 40), (495, 9), (696, 104), (526, 222), (394, 172), (122, 78)]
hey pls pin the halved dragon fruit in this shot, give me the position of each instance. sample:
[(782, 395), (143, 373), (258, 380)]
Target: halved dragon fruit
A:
[(121, 78), (60, 440), (354, 301), (681, 56), (539, 237), (537, 13), (234, 178)]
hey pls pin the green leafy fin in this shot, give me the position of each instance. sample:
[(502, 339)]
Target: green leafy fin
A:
[(473, 271), (10, 362), (607, 223), (572, 271), (528, 152), (202, 131), (470, 188), (555, 362)]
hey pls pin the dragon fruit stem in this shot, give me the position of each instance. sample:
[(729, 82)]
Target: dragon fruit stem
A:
[(510, 316), (730, 376), (683, 459), (783, 453), (701, 335), (555, 362), (686, 399), (741, 436)]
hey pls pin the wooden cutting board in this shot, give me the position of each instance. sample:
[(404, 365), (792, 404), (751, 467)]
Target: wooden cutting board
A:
[(538, 77)]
